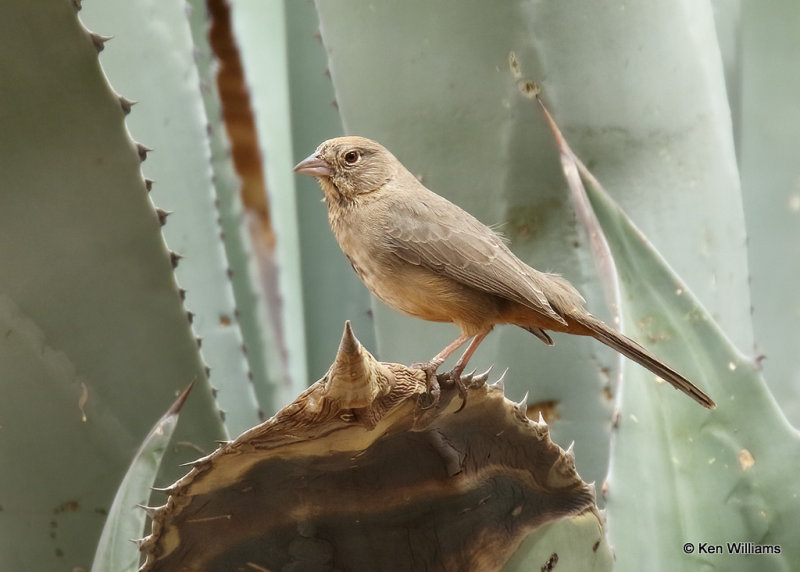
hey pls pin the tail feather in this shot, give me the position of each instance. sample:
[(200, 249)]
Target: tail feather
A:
[(541, 334), (643, 357)]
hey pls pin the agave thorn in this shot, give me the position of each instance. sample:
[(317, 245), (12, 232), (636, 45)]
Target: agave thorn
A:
[(99, 41), (162, 216), (148, 184), (174, 257), (349, 344), (177, 405), (126, 104), (522, 405), (501, 382), (142, 150), (353, 380), (541, 419), (466, 379), (571, 450), (482, 378), (165, 490), (138, 541), (150, 510)]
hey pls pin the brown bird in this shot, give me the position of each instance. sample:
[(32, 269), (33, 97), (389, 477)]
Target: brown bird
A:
[(421, 254)]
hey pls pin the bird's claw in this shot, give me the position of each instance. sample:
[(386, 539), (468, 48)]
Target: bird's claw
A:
[(434, 392), (434, 381), (461, 382), (450, 378), (462, 391), (431, 382), (467, 381)]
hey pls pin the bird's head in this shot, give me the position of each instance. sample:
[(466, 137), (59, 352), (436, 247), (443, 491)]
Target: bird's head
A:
[(348, 167)]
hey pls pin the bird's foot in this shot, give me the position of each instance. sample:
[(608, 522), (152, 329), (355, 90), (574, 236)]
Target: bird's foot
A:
[(434, 381), (431, 382), (463, 382)]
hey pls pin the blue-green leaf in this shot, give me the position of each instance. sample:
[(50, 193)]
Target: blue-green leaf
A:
[(126, 519)]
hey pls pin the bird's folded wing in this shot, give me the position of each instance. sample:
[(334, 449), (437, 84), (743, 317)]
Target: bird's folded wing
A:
[(466, 251)]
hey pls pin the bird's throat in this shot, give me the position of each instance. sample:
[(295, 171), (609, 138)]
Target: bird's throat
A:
[(331, 192)]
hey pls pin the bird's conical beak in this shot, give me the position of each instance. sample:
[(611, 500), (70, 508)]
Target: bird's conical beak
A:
[(313, 165)]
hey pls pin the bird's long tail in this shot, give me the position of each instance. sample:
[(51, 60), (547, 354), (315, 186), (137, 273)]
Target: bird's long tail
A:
[(643, 357)]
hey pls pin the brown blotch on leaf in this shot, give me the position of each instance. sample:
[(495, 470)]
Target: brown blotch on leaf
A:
[(513, 65), (548, 409), (551, 563), (746, 459), (68, 506), (528, 88)]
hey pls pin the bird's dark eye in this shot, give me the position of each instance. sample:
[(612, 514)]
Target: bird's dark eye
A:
[(351, 157)]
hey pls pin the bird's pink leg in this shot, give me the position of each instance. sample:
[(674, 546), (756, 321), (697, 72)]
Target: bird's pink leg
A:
[(433, 364), (462, 362), (437, 360), (455, 374)]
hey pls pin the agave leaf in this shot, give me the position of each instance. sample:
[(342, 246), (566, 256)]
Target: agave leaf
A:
[(680, 474), (261, 31), (115, 551), (356, 474), (728, 24), (769, 154), (170, 118), (254, 316), (94, 332), (576, 544), (330, 291), (660, 308)]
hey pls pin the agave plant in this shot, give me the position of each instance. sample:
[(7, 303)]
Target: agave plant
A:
[(127, 272)]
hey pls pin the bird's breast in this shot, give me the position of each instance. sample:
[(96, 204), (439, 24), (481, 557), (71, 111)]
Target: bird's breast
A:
[(409, 288)]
